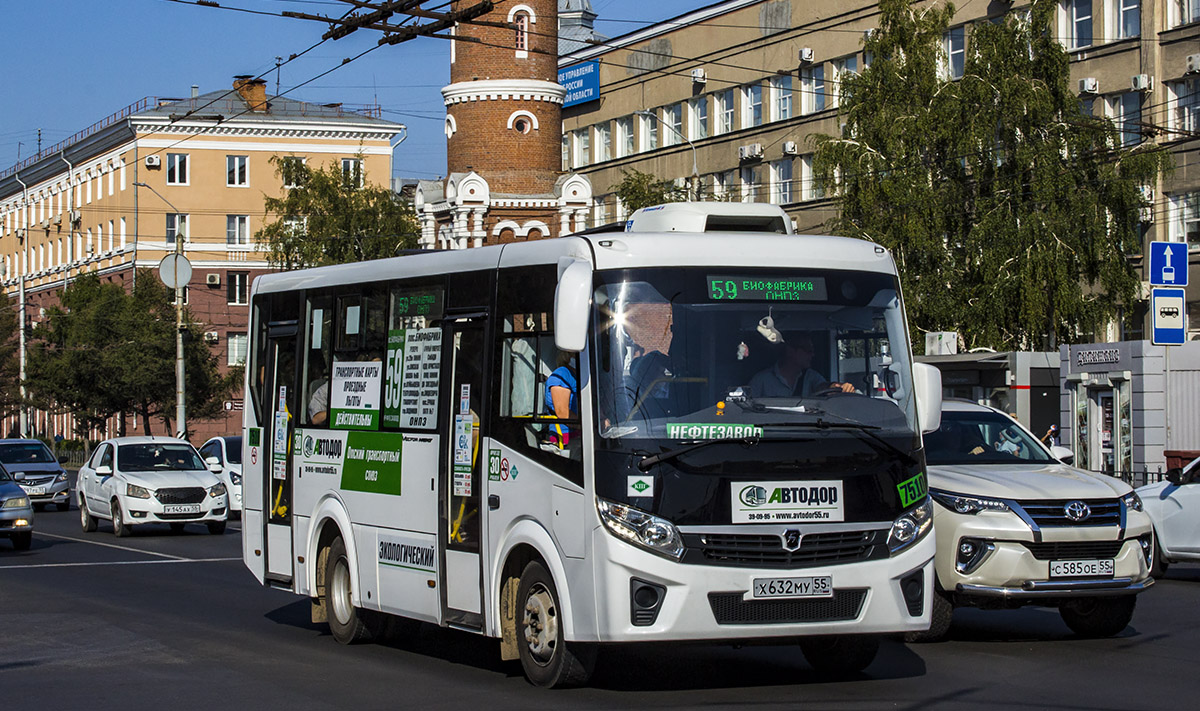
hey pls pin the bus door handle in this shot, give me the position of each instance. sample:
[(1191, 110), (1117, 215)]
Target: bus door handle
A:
[(493, 502)]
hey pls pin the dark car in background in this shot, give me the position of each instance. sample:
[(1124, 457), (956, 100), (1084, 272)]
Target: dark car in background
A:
[(37, 471), (16, 513)]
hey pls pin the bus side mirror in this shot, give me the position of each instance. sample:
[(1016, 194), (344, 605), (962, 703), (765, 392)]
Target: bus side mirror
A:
[(571, 300), (927, 380)]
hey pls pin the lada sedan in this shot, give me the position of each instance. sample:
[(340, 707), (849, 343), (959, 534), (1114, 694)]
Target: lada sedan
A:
[(136, 480), (1174, 506), (227, 452), (1016, 526)]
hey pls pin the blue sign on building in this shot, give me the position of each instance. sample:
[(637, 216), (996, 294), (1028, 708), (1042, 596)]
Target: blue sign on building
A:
[(1168, 264), (1167, 312), (582, 82)]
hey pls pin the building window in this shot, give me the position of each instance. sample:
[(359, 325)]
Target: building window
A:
[(813, 89), (649, 131), (1181, 12), (955, 47), (781, 182), (1125, 18), (176, 227), (781, 98), (237, 171), (842, 70), (1126, 112), (177, 170), (521, 20), (603, 142), (600, 214), (1185, 219), (352, 171), (698, 110), (724, 106), (1077, 15), (673, 118), (583, 146), (810, 189), (752, 101), (566, 152), (294, 173), (1184, 99), (237, 230), (237, 343), (625, 137), (238, 290)]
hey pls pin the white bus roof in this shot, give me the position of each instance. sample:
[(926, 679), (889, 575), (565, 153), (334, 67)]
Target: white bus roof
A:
[(711, 217)]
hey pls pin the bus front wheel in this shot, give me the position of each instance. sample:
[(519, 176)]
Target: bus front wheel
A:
[(346, 622), (546, 657)]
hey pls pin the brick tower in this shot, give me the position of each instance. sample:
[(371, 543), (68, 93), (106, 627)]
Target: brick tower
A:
[(504, 137)]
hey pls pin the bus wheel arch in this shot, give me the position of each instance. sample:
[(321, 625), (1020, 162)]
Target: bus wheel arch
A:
[(527, 542), (330, 522)]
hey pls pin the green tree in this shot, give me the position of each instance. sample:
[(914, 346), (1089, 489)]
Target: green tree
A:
[(105, 350), (637, 190), (332, 217), (1010, 210), (10, 384)]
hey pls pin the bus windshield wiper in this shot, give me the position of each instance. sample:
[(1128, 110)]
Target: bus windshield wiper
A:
[(653, 459), (847, 424)]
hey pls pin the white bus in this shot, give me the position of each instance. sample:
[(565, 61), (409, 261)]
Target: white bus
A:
[(601, 438)]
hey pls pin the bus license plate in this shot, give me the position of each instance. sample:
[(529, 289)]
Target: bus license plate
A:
[(1081, 568), (181, 508), (816, 586)]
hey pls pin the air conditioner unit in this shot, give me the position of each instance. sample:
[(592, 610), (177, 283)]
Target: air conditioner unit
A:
[(750, 151), (211, 337), (213, 279), (46, 224), (790, 148), (1193, 64), (807, 55), (1089, 85), (76, 218), (698, 75), (1141, 82), (57, 220), (153, 161)]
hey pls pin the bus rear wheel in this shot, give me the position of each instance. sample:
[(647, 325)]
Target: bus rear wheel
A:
[(546, 657), (844, 654), (346, 622)]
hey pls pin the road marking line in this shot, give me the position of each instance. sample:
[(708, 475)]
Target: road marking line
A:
[(120, 562), (111, 545)]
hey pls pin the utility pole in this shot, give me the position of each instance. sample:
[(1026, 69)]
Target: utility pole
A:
[(278, 63), (24, 267)]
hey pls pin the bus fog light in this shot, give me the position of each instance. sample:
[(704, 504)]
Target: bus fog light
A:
[(644, 530)]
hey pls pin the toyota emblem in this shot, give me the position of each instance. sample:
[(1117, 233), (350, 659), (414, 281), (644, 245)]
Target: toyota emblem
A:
[(791, 540), (1077, 511)]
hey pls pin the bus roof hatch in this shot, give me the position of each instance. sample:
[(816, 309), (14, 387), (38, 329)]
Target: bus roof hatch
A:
[(711, 217)]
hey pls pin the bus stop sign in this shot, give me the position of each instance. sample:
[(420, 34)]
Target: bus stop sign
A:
[(1167, 312)]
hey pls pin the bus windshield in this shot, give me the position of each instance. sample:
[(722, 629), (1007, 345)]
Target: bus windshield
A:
[(726, 353)]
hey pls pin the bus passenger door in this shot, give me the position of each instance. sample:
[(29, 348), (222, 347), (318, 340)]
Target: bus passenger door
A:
[(281, 404), (460, 482)]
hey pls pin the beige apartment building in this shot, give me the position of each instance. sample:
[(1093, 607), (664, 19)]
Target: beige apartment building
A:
[(118, 195), (730, 93)]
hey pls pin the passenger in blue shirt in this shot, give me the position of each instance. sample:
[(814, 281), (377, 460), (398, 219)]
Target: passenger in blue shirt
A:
[(562, 398)]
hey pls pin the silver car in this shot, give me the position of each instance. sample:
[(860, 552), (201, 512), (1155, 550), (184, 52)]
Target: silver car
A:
[(37, 471), (16, 513)]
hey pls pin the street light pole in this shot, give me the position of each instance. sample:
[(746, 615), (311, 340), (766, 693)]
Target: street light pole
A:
[(695, 168), (180, 393)]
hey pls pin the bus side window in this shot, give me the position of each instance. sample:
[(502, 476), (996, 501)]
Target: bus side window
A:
[(318, 353)]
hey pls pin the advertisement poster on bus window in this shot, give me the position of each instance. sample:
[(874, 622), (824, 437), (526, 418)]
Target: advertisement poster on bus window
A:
[(354, 395), (414, 361)]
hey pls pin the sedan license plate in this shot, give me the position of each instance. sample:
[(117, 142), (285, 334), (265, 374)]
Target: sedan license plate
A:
[(36, 491), (1081, 568), (815, 586), (181, 508)]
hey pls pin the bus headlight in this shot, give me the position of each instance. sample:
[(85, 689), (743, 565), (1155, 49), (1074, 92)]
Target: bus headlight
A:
[(911, 527), (643, 530)]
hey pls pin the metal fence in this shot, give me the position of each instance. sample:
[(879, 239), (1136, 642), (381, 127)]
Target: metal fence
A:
[(1137, 478)]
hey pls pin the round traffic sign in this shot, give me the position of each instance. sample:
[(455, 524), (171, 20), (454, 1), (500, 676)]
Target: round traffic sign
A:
[(175, 271)]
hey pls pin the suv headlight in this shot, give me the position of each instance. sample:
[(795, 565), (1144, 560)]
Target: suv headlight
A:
[(967, 504), (137, 492), (216, 490), (17, 502), (1132, 501), (643, 530), (911, 527)]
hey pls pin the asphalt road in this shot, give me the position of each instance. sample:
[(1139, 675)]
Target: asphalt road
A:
[(90, 621)]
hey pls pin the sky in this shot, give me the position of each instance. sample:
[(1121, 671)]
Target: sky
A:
[(67, 64)]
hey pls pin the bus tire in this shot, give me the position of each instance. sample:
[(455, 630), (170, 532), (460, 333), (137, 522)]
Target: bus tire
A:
[(346, 622), (843, 654), (546, 657), (941, 614)]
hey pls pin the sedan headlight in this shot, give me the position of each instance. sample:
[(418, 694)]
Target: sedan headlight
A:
[(1132, 501), (911, 526), (216, 490), (137, 492), (62, 476), (970, 505), (643, 530), (17, 502), (235, 478)]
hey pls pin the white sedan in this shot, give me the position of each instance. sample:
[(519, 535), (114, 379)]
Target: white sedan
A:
[(134, 480), (1174, 507)]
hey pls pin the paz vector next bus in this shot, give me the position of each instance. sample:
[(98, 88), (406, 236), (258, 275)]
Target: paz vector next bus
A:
[(703, 428)]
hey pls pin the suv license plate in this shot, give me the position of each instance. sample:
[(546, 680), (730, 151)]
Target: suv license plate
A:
[(1081, 568), (181, 508), (816, 586)]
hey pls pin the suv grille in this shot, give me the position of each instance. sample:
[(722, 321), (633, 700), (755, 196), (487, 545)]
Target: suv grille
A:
[(185, 495), (1105, 512), (1072, 550), (731, 609), (765, 550)]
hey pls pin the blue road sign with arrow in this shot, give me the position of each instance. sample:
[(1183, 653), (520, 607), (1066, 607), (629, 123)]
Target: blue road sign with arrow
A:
[(1168, 264)]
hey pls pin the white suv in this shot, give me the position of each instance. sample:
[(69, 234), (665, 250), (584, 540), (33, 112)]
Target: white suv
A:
[(135, 480), (1016, 526)]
